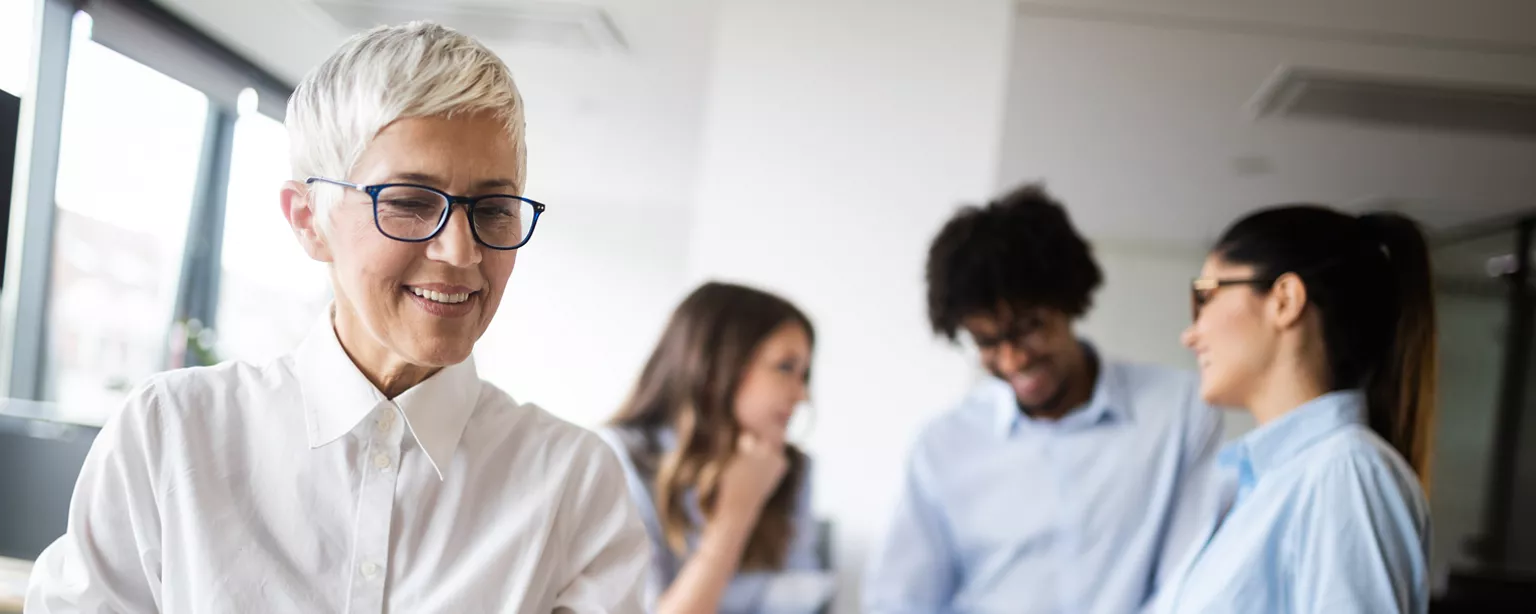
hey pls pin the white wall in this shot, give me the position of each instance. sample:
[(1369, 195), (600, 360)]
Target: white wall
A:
[(585, 305), (1144, 306), (838, 135)]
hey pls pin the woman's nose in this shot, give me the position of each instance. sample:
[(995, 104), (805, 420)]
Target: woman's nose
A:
[(455, 244)]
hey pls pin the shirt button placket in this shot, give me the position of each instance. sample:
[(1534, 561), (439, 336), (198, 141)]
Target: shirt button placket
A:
[(376, 497), (1066, 536)]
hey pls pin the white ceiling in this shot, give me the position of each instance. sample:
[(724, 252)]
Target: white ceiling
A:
[(604, 128), (1130, 109), (1139, 121), (1509, 24)]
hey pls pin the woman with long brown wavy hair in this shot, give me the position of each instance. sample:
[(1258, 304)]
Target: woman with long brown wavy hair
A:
[(725, 499)]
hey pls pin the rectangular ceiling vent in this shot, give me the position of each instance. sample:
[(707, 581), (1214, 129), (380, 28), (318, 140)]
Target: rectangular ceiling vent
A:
[(1316, 94), (560, 25)]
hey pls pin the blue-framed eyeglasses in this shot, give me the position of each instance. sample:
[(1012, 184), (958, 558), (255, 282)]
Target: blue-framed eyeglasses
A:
[(417, 213)]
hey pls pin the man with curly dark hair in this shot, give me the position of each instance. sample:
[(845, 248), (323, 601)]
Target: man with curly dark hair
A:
[(1066, 481)]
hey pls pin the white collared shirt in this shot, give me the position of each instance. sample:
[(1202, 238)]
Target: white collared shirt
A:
[(296, 487)]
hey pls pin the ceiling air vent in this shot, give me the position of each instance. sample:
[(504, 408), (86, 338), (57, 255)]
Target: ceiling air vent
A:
[(1315, 94), (561, 25)]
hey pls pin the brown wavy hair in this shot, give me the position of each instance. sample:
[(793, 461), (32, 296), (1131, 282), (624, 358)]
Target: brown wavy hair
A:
[(689, 385)]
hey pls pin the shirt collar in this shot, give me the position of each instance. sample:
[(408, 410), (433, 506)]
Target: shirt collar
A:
[(1273, 444), (337, 396), (1108, 403)]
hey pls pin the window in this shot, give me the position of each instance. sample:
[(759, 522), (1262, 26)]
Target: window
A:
[(129, 156), (15, 45), (270, 291)]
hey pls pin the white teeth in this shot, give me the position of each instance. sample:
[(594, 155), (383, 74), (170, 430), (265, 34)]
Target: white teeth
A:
[(440, 297)]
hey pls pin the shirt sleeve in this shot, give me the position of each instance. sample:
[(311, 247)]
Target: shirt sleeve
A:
[(1201, 495), (914, 567), (108, 559), (1205, 435), (609, 546), (659, 572), (1361, 542)]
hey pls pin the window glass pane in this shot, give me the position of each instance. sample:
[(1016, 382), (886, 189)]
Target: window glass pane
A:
[(128, 164), (270, 291), (15, 45)]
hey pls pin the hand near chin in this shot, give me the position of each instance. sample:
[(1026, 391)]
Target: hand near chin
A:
[(751, 475)]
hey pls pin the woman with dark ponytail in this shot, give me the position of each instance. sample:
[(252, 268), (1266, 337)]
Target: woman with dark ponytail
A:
[(1322, 325)]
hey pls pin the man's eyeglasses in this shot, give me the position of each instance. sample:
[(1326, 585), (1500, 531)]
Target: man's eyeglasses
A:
[(1201, 290), (1021, 333), (417, 213)]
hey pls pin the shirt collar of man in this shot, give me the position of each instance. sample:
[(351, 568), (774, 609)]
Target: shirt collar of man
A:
[(1108, 404)]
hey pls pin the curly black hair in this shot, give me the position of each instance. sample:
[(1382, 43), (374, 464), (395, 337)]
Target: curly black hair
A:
[(1019, 250)]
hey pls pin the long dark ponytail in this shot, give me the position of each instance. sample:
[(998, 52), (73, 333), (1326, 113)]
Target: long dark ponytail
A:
[(1369, 278)]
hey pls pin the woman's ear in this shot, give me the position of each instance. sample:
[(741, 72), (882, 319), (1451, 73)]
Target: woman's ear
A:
[(299, 209), (1287, 301)]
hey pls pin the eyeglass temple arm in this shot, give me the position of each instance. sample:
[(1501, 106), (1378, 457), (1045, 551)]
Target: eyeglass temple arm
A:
[(345, 184)]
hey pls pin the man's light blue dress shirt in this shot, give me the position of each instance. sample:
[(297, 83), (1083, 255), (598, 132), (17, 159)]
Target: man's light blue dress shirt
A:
[(1083, 515)]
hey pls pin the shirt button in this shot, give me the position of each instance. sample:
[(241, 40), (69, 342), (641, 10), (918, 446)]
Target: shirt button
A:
[(381, 461), (370, 570), (385, 422)]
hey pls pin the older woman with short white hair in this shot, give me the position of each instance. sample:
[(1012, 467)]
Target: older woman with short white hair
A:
[(370, 470)]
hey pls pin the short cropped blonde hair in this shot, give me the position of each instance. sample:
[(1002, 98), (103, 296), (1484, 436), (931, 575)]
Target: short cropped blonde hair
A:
[(389, 73)]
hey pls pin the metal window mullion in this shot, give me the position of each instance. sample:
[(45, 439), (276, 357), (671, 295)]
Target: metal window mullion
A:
[(1499, 515), (197, 291), (24, 300)]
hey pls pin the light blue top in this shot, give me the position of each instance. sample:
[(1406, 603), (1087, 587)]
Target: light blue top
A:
[(1004, 513), (1327, 518), (747, 591)]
